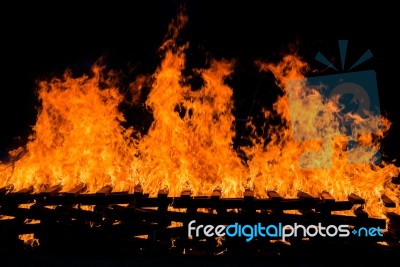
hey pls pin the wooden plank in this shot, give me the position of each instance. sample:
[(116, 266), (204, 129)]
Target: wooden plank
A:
[(326, 197), (25, 191), (274, 195), (304, 196), (104, 191), (133, 217), (388, 202), (163, 192), (248, 194), (51, 191), (162, 197), (138, 190), (216, 194), (77, 190), (186, 193), (178, 202), (353, 198)]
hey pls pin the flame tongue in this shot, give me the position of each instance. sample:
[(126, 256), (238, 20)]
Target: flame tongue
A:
[(190, 140)]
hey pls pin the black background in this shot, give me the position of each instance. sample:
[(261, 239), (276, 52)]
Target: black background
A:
[(39, 41)]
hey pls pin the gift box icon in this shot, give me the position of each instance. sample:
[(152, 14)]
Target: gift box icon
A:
[(325, 107)]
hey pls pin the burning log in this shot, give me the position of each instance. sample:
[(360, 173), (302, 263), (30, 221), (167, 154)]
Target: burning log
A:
[(137, 196), (275, 198), (388, 202), (273, 195), (215, 198), (162, 199), (326, 197), (143, 219), (25, 191), (51, 191), (216, 194), (101, 195), (177, 202), (187, 200), (329, 202), (248, 194), (353, 198), (138, 190), (186, 193), (305, 196), (23, 196), (163, 193), (248, 202), (77, 190), (104, 191)]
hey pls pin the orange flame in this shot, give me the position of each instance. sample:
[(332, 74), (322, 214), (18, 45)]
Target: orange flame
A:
[(190, 141), (277, 165), (77, 137)]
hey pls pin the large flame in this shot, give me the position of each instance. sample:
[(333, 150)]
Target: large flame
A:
[(278, 164), (190, 142), (78, 137)]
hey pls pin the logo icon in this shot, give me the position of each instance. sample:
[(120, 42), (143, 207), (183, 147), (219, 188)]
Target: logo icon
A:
[(343, 104)]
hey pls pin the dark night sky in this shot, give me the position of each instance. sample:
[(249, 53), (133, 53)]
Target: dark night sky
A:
[(40, 41)]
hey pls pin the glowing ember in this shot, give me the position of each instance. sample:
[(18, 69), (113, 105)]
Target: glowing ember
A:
[(78, 137)]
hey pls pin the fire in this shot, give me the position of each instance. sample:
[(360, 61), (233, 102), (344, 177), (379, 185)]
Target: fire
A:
[(278, 164), (190, 141), (79, 137)]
